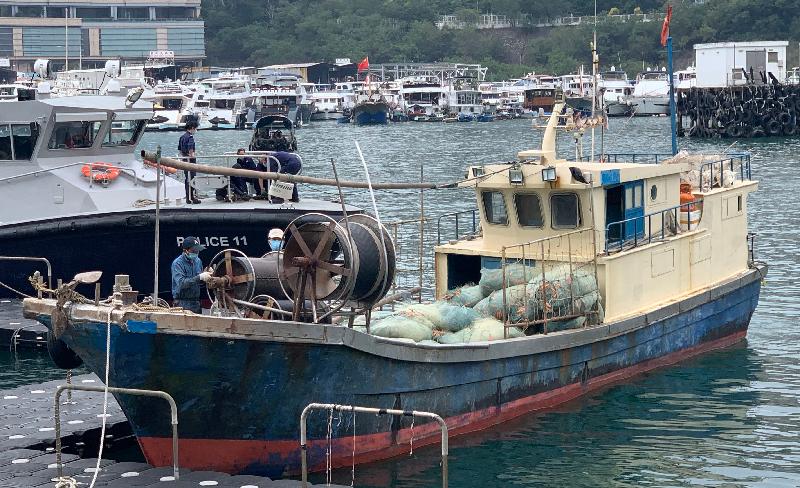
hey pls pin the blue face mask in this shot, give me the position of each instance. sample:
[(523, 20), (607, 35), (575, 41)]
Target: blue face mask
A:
[(275, 244), (191, 255)]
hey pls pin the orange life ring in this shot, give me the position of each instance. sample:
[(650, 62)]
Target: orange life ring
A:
[(103, 173), (167, 169)]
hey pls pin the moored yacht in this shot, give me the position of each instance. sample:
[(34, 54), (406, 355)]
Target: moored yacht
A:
[(650, 94), (615, 87), (171, 102)]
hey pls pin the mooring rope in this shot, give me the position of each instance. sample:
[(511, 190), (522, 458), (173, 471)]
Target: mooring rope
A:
[(105, 395), (24, 295)]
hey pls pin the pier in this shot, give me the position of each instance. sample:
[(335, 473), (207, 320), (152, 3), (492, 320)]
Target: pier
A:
[(744, 111)]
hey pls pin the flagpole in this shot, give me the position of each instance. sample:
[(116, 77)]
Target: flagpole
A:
[(672, 117)]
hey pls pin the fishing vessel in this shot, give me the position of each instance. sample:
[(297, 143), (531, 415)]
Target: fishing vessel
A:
[(662, 243), (74, 192)]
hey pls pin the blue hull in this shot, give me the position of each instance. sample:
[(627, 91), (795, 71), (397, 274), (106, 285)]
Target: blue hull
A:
[(240, 398), (371, 113), (376, 118)]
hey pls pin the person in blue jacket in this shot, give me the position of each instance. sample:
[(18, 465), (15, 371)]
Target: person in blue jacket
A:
[(188, 276)]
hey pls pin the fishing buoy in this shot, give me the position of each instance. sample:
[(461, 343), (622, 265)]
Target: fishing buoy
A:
[(61, 354)]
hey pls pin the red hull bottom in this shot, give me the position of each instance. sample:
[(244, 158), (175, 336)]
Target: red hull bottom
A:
[(235, 456)]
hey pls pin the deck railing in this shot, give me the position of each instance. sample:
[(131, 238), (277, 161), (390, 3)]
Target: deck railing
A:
[(472, 223), (712, 173), (667, 224)]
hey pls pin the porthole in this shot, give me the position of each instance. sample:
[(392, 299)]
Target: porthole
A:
[(653, 192)]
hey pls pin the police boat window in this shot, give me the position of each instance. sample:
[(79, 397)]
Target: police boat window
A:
[(494, 206), (124, 133), (17, 141), (565, 211), (529, 210), (74, 135)]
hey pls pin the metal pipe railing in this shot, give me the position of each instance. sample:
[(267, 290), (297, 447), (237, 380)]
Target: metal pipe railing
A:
[(136, 178), (125, 391), (375, 411), (474, 213), (637, 240), (29, 258)]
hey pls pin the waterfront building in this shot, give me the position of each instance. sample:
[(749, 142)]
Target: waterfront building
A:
[(87, 33), (724, 64)]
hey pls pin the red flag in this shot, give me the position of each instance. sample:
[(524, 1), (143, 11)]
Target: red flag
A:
[(363, 65), (665, 27)]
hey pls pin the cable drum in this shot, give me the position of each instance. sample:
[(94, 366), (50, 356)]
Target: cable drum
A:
[(377, 258), (318, 261)]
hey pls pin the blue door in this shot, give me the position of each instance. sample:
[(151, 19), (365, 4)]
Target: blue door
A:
[(634, 207)]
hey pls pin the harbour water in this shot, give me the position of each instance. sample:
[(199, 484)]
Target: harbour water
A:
[(730, 418)]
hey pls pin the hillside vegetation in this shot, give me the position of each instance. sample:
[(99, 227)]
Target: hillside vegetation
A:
[(261, 32)]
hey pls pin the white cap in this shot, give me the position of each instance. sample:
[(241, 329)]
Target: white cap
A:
[(275, 234)]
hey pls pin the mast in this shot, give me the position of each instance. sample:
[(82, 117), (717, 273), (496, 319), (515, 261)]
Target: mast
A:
[(66, 39), (594, 76)]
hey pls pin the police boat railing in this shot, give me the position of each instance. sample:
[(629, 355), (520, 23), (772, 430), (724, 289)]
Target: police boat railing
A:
[(37, 172)]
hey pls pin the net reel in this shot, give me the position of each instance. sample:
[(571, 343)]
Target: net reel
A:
[(336, 264)]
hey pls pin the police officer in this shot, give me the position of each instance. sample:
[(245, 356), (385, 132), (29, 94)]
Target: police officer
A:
[(283, 162), (188, 275), (186, 148)]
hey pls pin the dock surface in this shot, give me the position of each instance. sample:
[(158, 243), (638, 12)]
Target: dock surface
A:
[(27, 430)]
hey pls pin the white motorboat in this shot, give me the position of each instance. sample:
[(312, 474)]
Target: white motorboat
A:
[(650, 94)]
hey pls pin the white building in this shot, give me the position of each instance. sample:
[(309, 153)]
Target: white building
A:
[(729, 63)]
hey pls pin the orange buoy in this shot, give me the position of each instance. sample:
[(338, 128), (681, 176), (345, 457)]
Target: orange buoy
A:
[(167, 169), (688, 198), (103, 173)]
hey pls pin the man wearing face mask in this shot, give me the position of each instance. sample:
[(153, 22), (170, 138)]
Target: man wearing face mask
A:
[(275, 239), (188, 276)]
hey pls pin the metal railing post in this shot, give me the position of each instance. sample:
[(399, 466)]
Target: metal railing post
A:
[(375, 411), (30, 258), (124, 391)]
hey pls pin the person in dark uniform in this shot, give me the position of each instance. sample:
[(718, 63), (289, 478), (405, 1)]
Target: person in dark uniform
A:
[(186, 148), (289, 164), (188, 275), (239, 183)]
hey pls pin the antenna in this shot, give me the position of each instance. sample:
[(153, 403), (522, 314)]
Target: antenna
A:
[(66, 39)]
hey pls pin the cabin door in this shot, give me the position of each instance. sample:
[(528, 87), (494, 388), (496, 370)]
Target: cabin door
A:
[(634, 207)]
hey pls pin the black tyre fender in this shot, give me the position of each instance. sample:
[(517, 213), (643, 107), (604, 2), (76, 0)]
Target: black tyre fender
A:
[(61, 354), (773, 127)]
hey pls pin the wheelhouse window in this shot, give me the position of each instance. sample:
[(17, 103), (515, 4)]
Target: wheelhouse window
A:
[(74, 135), (124, 133), (494, 207), (565, 211), (529, 210), (17, 141)]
